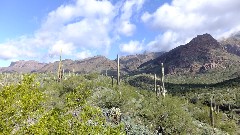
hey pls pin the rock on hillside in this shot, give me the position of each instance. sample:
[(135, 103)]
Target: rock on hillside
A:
[(199, 55)]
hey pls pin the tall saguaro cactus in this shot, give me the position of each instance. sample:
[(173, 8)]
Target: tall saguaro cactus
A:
[(60, 69), (211, 113), (118, 71), (163, 90), (106, 72), (155, 83), (112, 81)]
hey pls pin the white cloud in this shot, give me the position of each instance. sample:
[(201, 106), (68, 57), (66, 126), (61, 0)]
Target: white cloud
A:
[(84, 54), (61, 47), (76, 27), (9, 52), (84, 24), (184, 19), (18, 48), (132, 47), (163, 42), (125, 27)]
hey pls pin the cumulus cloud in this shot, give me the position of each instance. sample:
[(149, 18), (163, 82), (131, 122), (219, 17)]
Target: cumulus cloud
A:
[(128, 8), (84, 54), (86, 23), (74, 28), (61, 47), (126, 28), (182, 20), (132, 47), (82, 26), (20, 47)]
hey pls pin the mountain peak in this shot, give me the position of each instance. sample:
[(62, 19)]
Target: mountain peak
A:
[(200, 54), (205, 40)]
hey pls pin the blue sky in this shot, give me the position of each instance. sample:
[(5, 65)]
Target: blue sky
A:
[(40, 29)]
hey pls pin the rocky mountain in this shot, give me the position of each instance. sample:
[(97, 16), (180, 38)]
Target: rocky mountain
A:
[(99, 64), (94, 64), (23, 66), (201, 54)]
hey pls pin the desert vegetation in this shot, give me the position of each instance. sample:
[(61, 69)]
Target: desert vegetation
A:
[(90, 104)]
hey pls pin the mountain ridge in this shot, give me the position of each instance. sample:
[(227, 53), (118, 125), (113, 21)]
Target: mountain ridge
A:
[(92, 64), (201, 54)]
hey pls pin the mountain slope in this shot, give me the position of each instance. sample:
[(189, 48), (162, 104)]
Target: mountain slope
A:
[(201, 54)]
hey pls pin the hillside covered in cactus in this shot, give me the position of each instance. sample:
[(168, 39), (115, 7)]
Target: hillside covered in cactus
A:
[(83, 104)]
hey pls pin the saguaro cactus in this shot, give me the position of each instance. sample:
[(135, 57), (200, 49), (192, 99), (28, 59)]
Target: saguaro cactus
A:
[(163, 90), (73, 71), (60, 69), (112, 81), (211, 113), (106, 72), (155, 83), (118, 71)]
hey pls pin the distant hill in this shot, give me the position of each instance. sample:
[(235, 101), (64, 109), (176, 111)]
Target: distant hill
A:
[(99, 64), (23, 67), (201, 54), (93, 64)]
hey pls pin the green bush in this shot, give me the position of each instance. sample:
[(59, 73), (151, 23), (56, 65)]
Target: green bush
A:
[(19, 104)]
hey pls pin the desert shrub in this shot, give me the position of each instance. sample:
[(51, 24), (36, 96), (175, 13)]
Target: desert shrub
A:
[(24, 111), (20, 105), (228, 126), (169, 114), (107, 98), (89, 121), (91, 76), (134, 128)]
